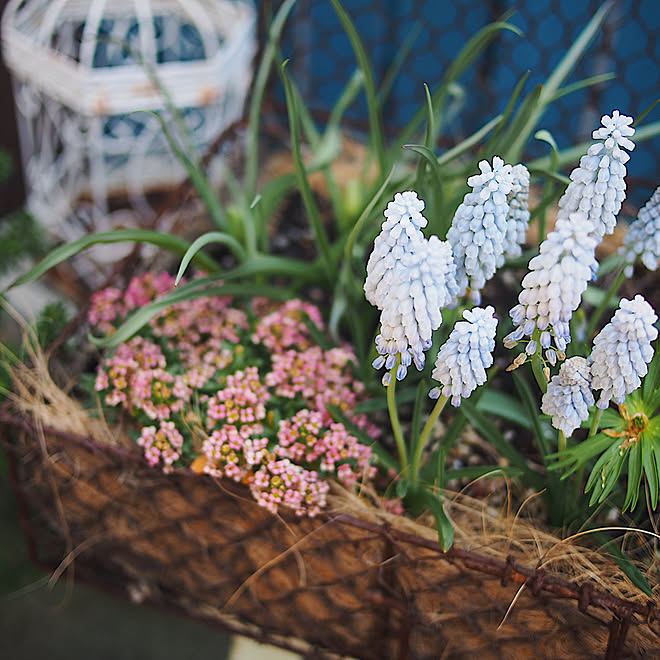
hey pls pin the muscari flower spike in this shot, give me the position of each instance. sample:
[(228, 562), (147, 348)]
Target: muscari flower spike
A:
[(422, 283), (553, 288), (597, 186), (568, 397), (622, 351), (400, 232), (463, 359), (642, 240), (518, 218), (479, 227)]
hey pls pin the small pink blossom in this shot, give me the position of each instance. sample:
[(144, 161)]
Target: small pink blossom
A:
[(162, 445), (146, 288), (285, 328), (106, 307), (282, 482), (242, 400), (234, 453)]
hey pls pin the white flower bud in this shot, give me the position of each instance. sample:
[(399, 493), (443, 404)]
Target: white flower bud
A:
[(597, 187), (463, 359), (423, 282), (642, 240), (518, 218), (569, 395), (553, 287), (478, 231), (622, 351), (399, 234)]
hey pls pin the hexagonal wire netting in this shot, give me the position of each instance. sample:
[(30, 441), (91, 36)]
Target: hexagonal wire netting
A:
[(321, 60)]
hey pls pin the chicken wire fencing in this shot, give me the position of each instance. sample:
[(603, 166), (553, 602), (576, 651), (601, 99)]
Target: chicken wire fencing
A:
[(327, 587), (321, 62)]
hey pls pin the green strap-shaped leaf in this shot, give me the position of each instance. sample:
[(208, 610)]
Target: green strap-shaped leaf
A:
[(444, 525), (469, 142), (493, 145), (531, 411), (642, 115), (196, 174), (504, 406), (604, 474), (650, 471), (373, 109), (573, 154), (555, 80), (204, 240), (651, 385), (368, 209), (173, 244), (257, 94), (573, 458), (468, 54), (397, 64), (634, 478), (311, 208), (582, 84)]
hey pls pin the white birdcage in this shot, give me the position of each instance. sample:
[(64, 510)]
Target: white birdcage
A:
[(88, 77)]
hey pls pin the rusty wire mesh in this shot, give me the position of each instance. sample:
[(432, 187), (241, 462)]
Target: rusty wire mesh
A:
[(336, 585)]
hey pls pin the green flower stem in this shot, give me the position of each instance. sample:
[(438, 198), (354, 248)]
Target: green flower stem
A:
[(579, 475), (537, 363), (611, 292), (537, 370), (394, 419), (561, 443), (424, 436), (593, 429)]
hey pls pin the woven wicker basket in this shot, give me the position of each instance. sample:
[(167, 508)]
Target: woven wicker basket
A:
[(351, 585)]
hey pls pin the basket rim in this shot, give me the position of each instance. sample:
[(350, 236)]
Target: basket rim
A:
[(624, 611)]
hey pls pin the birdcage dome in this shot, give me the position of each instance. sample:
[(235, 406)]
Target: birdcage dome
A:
[(89, 78), (112, 56)]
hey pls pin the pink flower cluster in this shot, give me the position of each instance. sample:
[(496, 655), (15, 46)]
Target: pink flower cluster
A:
[(242, 400), (280, 482), (310, 437), (111, 305), (238, 393), (234, 451), (319, 377), (135, 377), (285, 328), (161, 445)]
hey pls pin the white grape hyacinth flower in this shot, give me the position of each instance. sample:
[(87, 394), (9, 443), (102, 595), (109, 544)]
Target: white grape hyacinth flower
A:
[(422, 284), (597, 187), (569, 395), (517, 221), (463, 359), (622, 351), (553, 287), (478, 231), (642, 240), (400, 233)]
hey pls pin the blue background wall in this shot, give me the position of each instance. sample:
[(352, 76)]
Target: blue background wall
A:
[(628, 45)]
